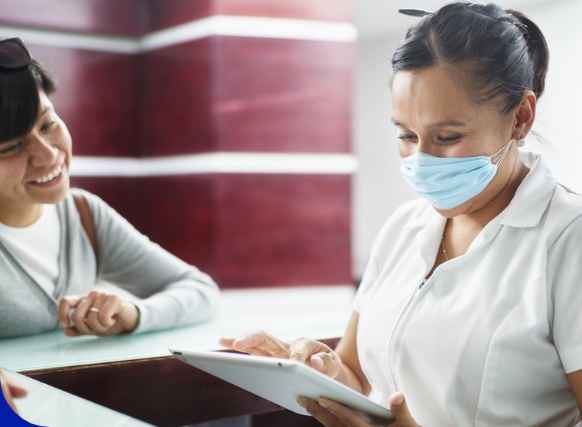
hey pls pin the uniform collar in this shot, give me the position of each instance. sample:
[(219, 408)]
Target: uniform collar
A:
[(532, 196)]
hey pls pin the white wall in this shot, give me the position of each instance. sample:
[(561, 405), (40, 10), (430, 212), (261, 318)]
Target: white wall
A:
[(559, 116), (378, 187)]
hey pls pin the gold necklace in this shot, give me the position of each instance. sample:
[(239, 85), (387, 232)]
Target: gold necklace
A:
[(444, 248)]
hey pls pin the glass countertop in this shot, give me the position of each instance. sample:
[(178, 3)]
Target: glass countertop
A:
[(314, 312)]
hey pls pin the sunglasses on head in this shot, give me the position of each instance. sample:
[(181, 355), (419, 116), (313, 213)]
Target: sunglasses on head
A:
[(13, 54)]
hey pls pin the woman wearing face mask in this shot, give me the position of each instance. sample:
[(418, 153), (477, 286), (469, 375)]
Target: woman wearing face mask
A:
[(469, 307), (52, 251)]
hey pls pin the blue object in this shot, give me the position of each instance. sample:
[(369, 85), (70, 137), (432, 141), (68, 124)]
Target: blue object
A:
[(448, 182), (8, 418)]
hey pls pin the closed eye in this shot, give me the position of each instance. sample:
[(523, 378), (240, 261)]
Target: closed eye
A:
[(406, 137), (449, 139), (11, 148), (48, 125)]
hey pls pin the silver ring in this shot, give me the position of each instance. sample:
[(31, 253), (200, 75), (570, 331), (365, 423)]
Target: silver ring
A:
[(94, 310)]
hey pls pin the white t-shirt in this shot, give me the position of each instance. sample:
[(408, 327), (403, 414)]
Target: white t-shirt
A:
[(490, 336), (37, 247)]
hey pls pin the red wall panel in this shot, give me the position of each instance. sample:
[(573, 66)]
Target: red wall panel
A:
[(168, 13), (325, 10), (176, 85), (87, 16), (252, 230), (279, 95), (244, 230), (97, 96), (277, 230), (179, 213), (247, 94)]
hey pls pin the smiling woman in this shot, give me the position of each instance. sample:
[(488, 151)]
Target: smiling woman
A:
[(48, 265), (37, 165)]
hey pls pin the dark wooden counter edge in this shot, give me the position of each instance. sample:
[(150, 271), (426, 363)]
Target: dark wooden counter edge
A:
[(161, 391)]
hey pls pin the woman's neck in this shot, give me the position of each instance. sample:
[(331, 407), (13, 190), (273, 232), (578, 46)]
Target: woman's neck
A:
[(21, 217)]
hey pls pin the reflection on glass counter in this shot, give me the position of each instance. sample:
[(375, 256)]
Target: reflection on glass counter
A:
[(48, 406)]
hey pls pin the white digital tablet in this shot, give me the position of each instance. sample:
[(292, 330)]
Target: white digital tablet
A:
[(281, 381)]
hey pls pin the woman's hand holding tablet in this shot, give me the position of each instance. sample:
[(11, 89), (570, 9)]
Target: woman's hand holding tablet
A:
[(320, 357), (288, 383), (313, 353)]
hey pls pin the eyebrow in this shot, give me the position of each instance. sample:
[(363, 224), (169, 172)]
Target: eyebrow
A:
[(437, 125)]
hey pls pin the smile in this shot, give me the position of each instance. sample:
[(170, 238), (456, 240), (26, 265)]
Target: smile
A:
[(50, 176)]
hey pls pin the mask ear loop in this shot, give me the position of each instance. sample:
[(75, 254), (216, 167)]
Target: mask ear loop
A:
[(498, 157)]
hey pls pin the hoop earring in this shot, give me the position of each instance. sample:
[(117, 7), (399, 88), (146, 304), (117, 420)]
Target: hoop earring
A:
[(520, 142)]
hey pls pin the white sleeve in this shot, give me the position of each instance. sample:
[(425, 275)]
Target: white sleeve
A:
[(370, 275)]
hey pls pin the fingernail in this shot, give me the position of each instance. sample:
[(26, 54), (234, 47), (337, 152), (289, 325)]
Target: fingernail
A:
[(399, 400), (301, 402), (317, 362)]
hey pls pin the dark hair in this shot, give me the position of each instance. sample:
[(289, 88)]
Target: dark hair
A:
[(19, 98), (496, 54)]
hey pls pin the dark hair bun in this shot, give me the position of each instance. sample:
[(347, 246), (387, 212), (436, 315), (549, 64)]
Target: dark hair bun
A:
[(537, 48)]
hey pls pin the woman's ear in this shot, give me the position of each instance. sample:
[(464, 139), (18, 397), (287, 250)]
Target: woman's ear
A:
[(525, 115)]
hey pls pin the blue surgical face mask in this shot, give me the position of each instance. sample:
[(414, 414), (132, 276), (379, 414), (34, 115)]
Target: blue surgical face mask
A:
[(449, 182)]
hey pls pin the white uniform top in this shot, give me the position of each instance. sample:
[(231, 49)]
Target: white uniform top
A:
[(490, 336)]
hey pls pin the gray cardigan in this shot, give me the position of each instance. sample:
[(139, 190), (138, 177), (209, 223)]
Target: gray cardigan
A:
[(172, 292)]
